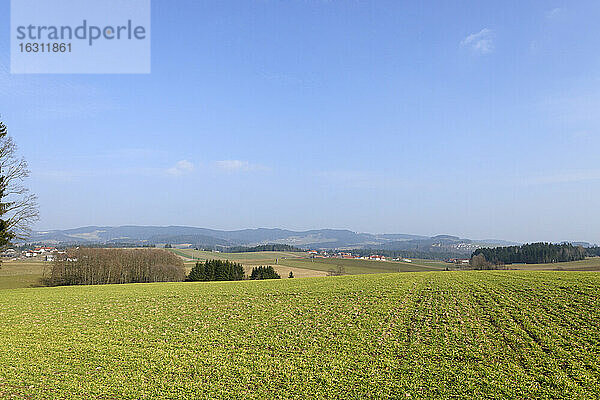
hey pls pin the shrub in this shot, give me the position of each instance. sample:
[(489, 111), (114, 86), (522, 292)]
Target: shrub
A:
[(267, 272), (338, 271)]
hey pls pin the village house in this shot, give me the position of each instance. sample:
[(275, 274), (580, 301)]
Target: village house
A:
[(42, 250), (9, 253)]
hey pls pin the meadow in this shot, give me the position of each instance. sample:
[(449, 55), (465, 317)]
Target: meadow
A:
[(250, 257), (21, 274), (353, 267), (507, 334)]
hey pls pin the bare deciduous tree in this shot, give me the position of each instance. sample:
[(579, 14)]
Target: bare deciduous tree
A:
[(479, 262), (338, 271), (18, 207)]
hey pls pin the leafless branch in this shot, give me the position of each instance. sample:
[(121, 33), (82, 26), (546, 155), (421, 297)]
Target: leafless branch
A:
[(18, 208)]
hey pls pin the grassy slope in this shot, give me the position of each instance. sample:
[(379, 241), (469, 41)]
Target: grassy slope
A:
[(414, 335)]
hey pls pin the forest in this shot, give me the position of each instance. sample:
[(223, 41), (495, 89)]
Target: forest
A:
[(533, 253)]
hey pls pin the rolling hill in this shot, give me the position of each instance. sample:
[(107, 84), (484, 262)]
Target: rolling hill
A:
[(202, 237)]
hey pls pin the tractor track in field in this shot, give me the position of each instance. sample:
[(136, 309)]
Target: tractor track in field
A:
[(533, 338)]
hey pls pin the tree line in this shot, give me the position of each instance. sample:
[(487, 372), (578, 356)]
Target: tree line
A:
[(262, 247), (91, 266), (593, 251), (533, 253)]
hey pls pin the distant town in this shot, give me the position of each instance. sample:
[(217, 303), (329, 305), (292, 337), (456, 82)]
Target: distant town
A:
[(43, 253)]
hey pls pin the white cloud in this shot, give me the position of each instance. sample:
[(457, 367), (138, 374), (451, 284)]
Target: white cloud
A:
[(182, 167), (481, 42), (533, 46), (233, 165), (238, 165), (554, 13)]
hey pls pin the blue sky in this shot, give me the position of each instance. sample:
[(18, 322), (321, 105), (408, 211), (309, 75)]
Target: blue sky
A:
[(475, 119)]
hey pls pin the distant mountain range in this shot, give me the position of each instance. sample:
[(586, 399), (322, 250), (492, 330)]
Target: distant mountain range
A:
[(211, 238)]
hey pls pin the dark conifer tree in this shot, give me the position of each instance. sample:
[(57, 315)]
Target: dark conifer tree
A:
[(261, 272), (197, 273), (217, 270)]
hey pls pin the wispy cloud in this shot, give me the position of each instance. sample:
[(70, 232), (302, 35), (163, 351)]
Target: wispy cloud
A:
[(565, 177), (238, 166), (182, 167), (481, 42)]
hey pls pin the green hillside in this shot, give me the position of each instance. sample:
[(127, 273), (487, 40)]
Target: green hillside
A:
[(415, 335)]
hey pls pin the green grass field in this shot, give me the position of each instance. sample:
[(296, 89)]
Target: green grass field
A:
[(507, 334)]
